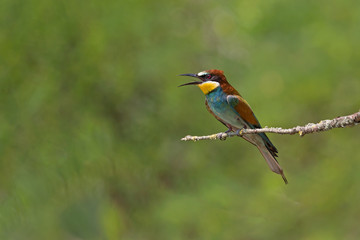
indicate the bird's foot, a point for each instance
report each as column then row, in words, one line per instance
column 222, row 136
column 239, row 132
column 229, row 130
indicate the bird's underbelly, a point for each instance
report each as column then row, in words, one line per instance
column 221, row 108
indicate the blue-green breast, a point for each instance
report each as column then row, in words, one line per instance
column 220, row 107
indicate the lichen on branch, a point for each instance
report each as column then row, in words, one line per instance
column 324, row 125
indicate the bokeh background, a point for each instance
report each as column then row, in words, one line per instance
column 91, row 119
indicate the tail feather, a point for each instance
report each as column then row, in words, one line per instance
column 268, row 150
column 271, row 161
column 269, row 144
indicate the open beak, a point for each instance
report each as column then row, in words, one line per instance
column 190, row 83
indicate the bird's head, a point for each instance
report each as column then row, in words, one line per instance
column 208, row 80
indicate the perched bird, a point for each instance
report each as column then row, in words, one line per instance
column 232, row 110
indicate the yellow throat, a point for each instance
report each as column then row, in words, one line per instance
column 208, row 86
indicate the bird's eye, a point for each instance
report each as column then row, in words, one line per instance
column 208, row 76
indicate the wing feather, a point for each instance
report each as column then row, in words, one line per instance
column 243, row 108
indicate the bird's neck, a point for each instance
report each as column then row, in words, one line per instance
column 228, row 89
column 208, row 86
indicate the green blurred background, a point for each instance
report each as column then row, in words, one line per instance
column 91, row 119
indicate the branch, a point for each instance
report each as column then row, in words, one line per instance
column 324, row 125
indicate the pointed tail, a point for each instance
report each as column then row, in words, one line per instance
column 271, row 161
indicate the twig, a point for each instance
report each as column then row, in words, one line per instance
column 324, row 125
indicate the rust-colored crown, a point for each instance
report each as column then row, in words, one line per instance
column 225, row 85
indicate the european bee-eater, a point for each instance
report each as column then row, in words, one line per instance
column 232, row 110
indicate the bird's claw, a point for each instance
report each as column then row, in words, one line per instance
column 239, row 132
column 222, row 136
column 229, row 130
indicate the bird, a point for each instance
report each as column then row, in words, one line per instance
column 226, row 104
